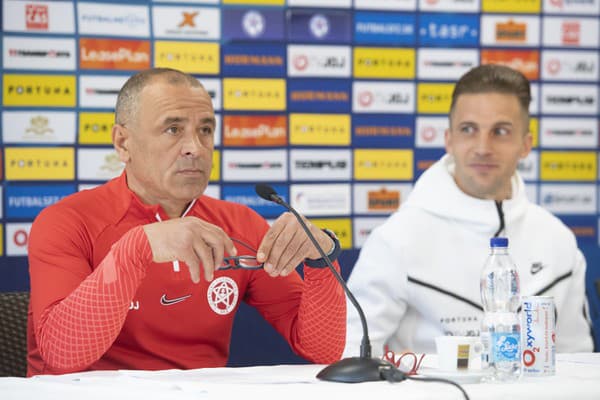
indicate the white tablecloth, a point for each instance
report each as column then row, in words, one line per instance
column 577, row 377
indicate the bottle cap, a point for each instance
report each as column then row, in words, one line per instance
column 499, row 242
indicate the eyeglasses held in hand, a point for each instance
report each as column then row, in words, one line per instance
column 241, row 262
column 407, row 362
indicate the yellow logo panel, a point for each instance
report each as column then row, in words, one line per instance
column 39, row 90
column 341, row 227
column 254, row 94
column 192, row 57
column 320, row 129
column 434, row 97
column 534, row 129
column 39, row 163
column 384, row 62
column 568, row 166
column 370, row 164
column 255, row 2
column 511, row 6
column 215, row 172
column 96, row 128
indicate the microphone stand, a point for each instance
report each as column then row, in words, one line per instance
column 348, row 370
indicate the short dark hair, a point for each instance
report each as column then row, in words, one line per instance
column 127, row 100
column 492, row 78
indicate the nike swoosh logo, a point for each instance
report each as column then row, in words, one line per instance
column 169, row 302
column 536, row 267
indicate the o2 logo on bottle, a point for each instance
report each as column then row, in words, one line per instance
column 506, row 346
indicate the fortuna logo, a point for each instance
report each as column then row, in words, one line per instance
column 222, row 295
column 169, row 302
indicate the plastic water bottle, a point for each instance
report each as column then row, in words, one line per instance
column 501, row 327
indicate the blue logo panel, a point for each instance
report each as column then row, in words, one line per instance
column 26, row 201
column 447, row 30
column 256, row 24
column 584, row 227
column 254, row 60
column 385, row 28
column 424, row 158
column 319, row 26
column 383, row 130
column 306, row 95
column 245, row 194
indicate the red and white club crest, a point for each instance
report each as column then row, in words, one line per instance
column 222, row 295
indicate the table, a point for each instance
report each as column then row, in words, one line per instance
column 577, row 377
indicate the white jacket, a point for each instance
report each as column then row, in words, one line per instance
column 417, row 275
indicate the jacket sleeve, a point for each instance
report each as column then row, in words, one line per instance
column 573, row 326
column 378, row 281
column 309, row 313
column 78, row 311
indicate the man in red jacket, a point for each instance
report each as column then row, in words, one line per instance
column 136, row 273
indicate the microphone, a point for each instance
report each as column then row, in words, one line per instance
column 352, row 369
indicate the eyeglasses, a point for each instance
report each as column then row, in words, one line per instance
column 409, row 365
column 241, row 262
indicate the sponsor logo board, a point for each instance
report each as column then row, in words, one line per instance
column 17, row 238
column 563, row 65
column 380, row 198
column 246, row 195
column 384, row 63
column 113, row 19
column 510, row 30
column 383, row 164
column 57, row 127
column 39, row 90
column 430, row 131
column 200, row 23
column 320, row 165
column 37, row 53
column 305, row 95
column 39, row 163
column 576, row 99
column 114, row 54
column 525, row 61
column 450, row 64
column 384, row 28
column 569, row 133
column 38, row 16
column 374, row 131
column 318, row 61
column 256, row 60
column 571, row 32
column 246, row 165
column 191, row 57
column 96, row 127
column 319, row 26
column 254, row 94
column 384, row 97
column 363, row 228
column 568, row 165
column 98, row 164
column 26, row 201
column 100, row 90
column 321, row 200
column 569, row 199
column 320, row 129
column 254, row 130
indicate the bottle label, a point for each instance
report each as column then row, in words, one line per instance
column 505, row 346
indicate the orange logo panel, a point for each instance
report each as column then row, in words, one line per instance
column 525, row 61
column 114, row 54
column 511, row 32
column 255, row 130
column 383, row 200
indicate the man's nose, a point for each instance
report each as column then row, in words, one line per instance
column 483, row 143
column 191, row 144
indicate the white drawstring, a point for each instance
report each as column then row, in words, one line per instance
column 157, row 216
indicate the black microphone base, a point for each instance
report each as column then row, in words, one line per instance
column 355, row 370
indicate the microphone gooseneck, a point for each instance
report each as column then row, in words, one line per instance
column 353, row 369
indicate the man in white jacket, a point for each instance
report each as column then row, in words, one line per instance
column 417, row 276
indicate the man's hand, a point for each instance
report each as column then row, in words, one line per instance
column 286, row 245
column 192, row 241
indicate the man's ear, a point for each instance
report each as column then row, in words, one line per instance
column 120, row 139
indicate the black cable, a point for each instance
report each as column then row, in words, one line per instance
column 501, row 216
column 393, row 374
